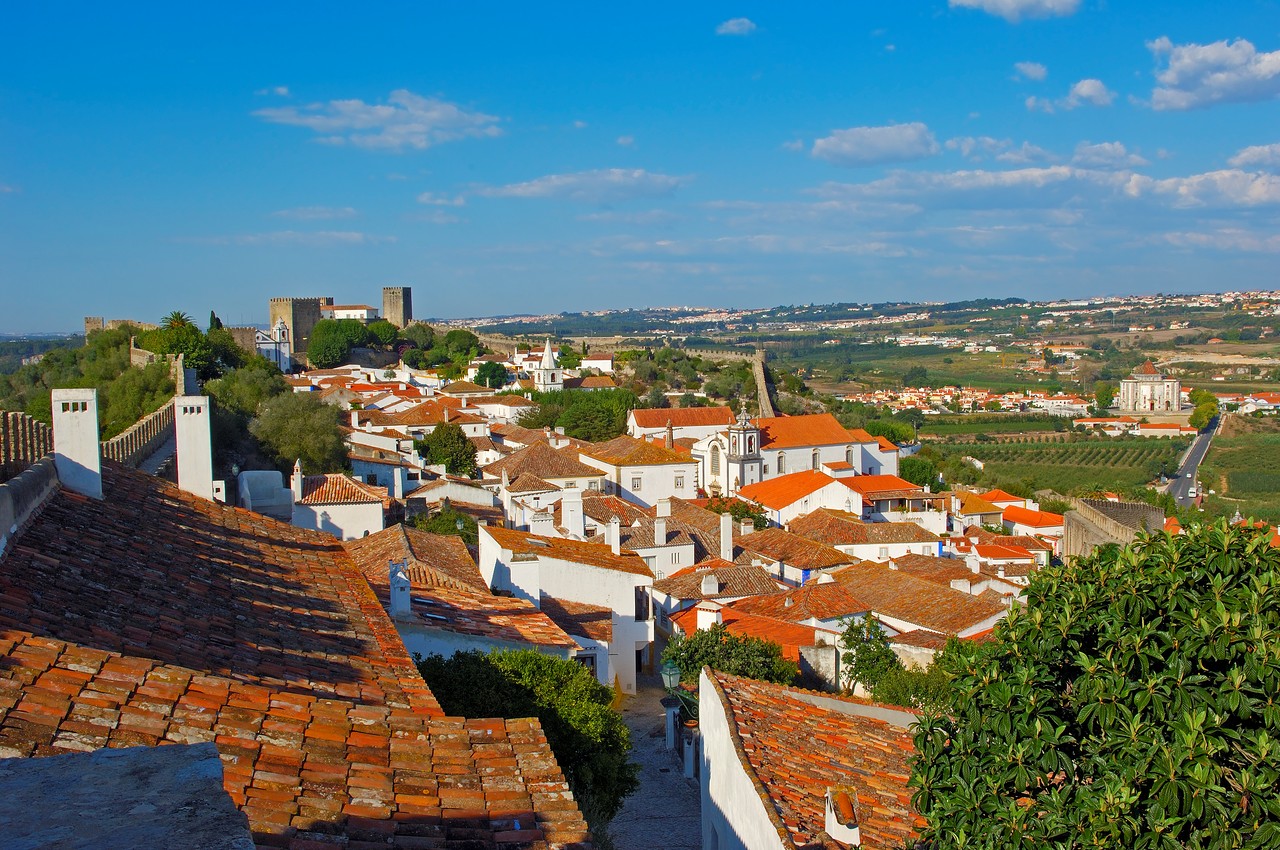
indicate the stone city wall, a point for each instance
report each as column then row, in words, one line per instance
column 23, row 441
column 142, row 439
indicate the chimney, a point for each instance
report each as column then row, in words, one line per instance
column 194, row 439
column 571, row 514
column 77, row 456
column 842, row 817
column 613, row 535
column 671, row 436
column 708, row 616
column 355, row 419
column 296, row 481
column 399, row 481
column 446, row 414
column 660, row 531
column 973, row 562
column 746, row 527
column 664, row 508
column 542, row 523
column 726, row 536
column 401, row 587
column 710, row 584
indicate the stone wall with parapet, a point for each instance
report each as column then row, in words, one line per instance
column 98, row 323
column 23, row 441
column 22, row 497
column 142, row 439
column 1085, row 528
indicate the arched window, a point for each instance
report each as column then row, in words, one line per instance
column 782, row 463
column 816, row 462
column 848, row 455
column 715, row 459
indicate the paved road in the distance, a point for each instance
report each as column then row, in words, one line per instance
column 1180, row 487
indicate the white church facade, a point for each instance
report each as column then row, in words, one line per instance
column 1148, row 390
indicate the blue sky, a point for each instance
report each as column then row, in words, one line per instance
column 510, row 158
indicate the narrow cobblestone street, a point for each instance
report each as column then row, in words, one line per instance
column 666, row 813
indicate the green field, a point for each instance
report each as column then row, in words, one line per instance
column 947, row 426
column 1243, row 466
column 1076, row 466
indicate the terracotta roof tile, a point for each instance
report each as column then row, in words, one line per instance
column 818, row 429
column 895, row 594
column 796, row 745
column 816, row 600
column 682, row 417
column 882, row 486
column 1036, row 519
column 777, row 544
column 544, row 462
column 433, row 560
column 732, row 580
column 576, row 551
column 941, row 571
column 629, row 451
column 778, row 493
column 790, row 636
column 840, row 528
column 579, row 618
column 337, row 489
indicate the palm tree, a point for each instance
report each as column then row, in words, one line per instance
column 176, row 319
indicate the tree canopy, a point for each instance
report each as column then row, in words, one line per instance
column 866, row 656
column 741, row 656
column 1131, row 703
column 491, row 375
column 298, row 426
column 448, row 444
column 590, row 740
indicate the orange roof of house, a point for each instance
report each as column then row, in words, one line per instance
column 463, row 387
column 816, row 600
column 994, row 496
column 841, row 528
column 815, row 429
column 777, row 544
column 543, row 461
column 682, row 417
column 732, row 580
column 579, row 618
column 886, row 444
column 337, row 489
column 1147, row 368
column 1036, row 519
column 778, row 493
column 895, row 594
column 630, row 451
column 881, row 486
column 789, row 636
column 574, row 551
column 432, row 560
column 797, row 747
column 972, row 503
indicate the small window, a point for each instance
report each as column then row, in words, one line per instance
column 679, row 482
column 816, row 459
column 587, row 660
column 715, row 460
column 571, row 485
column 635, row 484
column 766, row 469
column 782, row 463
column 593, row 485
column 675, row 557
column 884, row 552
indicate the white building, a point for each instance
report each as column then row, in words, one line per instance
column 362, row 312
column 1148, row 390
column 868, row 541
column 642, row 472
column 547, row 375
column 685, row 422
column 336, row 503
column 577, row 581
column 274, row 345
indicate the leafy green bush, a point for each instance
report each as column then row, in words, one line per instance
column 590, row 740
column 866, row 656
column 448, row 444
column 1130, row 703
column 741, row 656
column 298, row 426
column 922, row 690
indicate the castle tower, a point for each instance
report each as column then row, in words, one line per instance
column 397, row 305
column 300, row 316
column 547, row 377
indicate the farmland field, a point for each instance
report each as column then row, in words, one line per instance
column 1243, row 466
column 1083, row 464
column 989, row 424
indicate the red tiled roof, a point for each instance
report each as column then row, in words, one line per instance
column 841, row 528
column 602, row 508
column 504, row 618
column 1147, row 368
column 544, row 462
column 154, row 616
column 579, row 618
column 778, row 493
column 630, row 451
column 893, row 593
column 574, row 551
column 434, row 560
column 1036, row 519
column 994, row 496
column 778, row 544
column 796, row 747
column 790, row 636
column 972, row 504
column 941, row 571
column 816, row 600
column 336, row 489
column 882, row 486
column 682, row 417
column 732, row 580
column 590, row 382
column 816, row 429
column 463, row 388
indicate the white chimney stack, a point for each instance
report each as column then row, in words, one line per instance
column 708, row 615
column 76, row 453
column 726, row 536
column 295, row 483
column 664, row 508
column 191, row 422
column 710, row 584
column 401, row 589
column 660, row 531
column 614, row 535
column 571, row 514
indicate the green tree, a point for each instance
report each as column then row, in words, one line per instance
column 420, row 335
column 445, row 521
column 460, row 343
column 491, row 375
column 590, row 740
column 245, row 390
column 185, row 339
column 916, row 376
column 384, row 332
column 215, row 323
column 175, row 320
column 865, row 658
column 740, row 511
column 1204, row 412
column 448, row 444
column 922, row 690
column 918, row 470
column 1130, row 703
column 741, row 656
column 298, row 426
column 329, row 346
column 1104, row 394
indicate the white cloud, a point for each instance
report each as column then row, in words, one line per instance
column 793, row 145
column 6, row 189
column 1015, row 10
column 1088, row 91
column 314, row 238
column 1196, row 75
column 736, row 26
column 858, row 146
column 1030, row 70
column 977, row 148
column 1026, row 154
column 435, row 217
column 643, row 217
column 1225, row 188
column 605, row 185
column 1265, row 157
column 1105, row 155
column 316, row 213
column 440, row 200
column 579, row 125
column 1227, row 239
column 626, row 141
column 406, row 120
column 278, row 91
